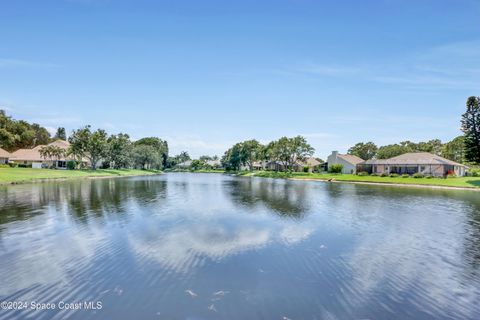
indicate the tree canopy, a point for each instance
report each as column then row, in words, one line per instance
column 90, row 144
column 287, row 151
column 17, row 134
column 365, row 151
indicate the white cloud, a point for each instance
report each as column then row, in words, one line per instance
column 450, row 66
column 196, row 145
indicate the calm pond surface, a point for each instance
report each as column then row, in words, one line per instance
column 210, row 246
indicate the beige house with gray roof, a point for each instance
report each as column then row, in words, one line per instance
column 414, row 162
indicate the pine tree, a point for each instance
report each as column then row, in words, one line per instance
column 471, row 128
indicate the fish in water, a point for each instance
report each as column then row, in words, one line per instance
column 220, row 293
column 191, row 293
column 212, row 308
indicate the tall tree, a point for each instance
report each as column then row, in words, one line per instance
column 471, row 129
column 160, row 146
column 455, row 150
column 92, row 145
column 232, row 159
column 120, row 151
column 290, row 150
column 250, row 151
column 60, row 134
column 146, row 157
column 365, row 151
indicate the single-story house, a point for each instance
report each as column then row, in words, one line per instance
column 309, row 162
column 214, row 163
column 34, row 158
column 4, row 156
column 348, row 161
column 414, row 162
column 184, row 165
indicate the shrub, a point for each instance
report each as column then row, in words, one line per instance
column 362, row 173
column 417, row 175
column 384, row 174
column 4, row 166
column 71, row 165
column 429, row 177
column 374, row 174
column 13, row 164
column 405, row 175
column 306, row 169
column 393, row 175
column 474, row 172
column 21, row 165
column 335, row 168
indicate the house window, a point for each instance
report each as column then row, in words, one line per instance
column 422, row 168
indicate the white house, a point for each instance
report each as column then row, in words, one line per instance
column 348, row 161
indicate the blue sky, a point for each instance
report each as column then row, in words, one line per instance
column 206, row 74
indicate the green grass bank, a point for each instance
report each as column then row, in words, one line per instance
column 457, row 182
column 25, row 175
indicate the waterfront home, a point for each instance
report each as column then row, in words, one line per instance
column 184, row 165
column 4, row 156
column 348, row 161
column 414, row 162
column 32, row 157
column 215, row 164
column 310, row 162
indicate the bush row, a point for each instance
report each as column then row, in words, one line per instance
column 395, row 175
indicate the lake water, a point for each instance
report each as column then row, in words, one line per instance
column 210, row 246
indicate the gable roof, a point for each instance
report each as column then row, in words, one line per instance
column 27, row 154
column 350, row 158
column 414, row 158
column 60, row 143
column 311, row 162
column 34, row 154
column 4, row 154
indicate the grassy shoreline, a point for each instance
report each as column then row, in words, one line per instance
column 472, row 183
column 28, row 175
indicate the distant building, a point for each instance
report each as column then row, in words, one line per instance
column 185, row 165
column 4, row 156
column 216, row 164
column 310, row 162
column 348, row 161
column 415, row 162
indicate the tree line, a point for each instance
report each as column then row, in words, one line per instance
column 117, row 151
column 286, row 151
column 462, row 149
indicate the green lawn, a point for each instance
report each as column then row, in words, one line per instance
column 464, row 182
column 22, row 175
